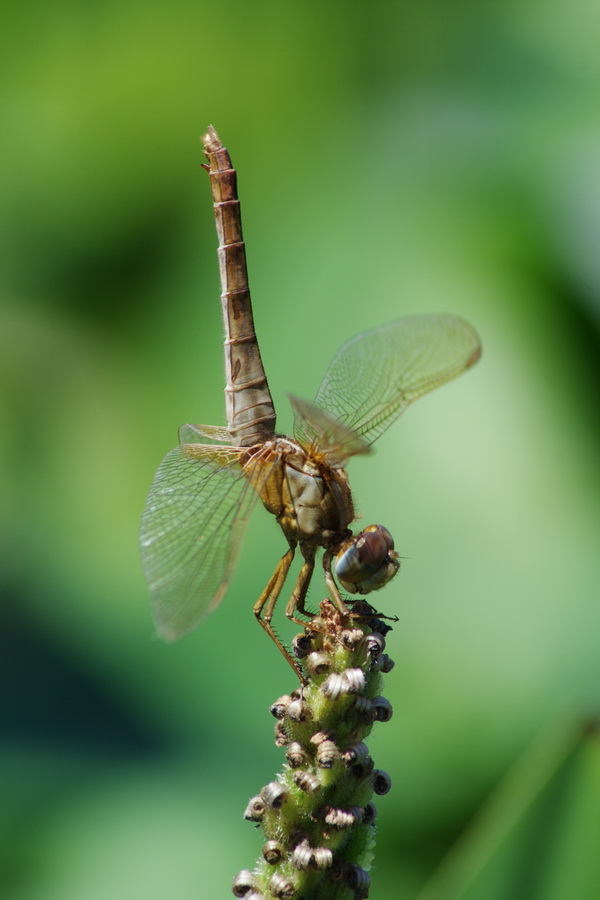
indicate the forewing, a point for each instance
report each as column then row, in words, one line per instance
column 376, row 375
column 192, row 530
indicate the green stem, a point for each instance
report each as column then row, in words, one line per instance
column 318, row 817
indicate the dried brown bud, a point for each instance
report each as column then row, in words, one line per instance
column 282, row 738
column 382, row 782
column 327, row 753
column 370, row 814
column 382, row 708
column 319, row 662
column 296, row 755
column 355, row 680
column 298, row 711
column 302, row 855
column 355, row 753
column 301, row 645
column 279, row 708
column 358, row 881
column 273, row 794
column 281, row 887
column 375, row 644
column 243, row 883
column 306, row 781
column 322, row 857
column 255, row 809
column 351, row 638
column 273, row 852
column 343, row 818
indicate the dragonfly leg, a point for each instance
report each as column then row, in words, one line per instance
column 264, row 606
column 331, row 585
column 296, row 601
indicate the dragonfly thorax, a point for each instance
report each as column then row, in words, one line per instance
column 311, row 500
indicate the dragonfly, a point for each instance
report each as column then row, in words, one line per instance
column 205, row 489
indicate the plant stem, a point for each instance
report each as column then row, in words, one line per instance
column 318, row 817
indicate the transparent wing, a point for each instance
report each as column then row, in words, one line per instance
column 376, row 375
column 192, row 531
column 323, row 435
column 189, row 434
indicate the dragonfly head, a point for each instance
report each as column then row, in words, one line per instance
column 366, row 561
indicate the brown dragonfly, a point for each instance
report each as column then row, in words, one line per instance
column 205, row 489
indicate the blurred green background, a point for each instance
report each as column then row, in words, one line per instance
column 393, row 159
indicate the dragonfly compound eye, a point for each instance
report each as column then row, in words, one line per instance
column 367, row 561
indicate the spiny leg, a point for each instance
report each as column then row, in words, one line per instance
column 331, row 585
column 264, row 606
column 296, row 601
column 269, row 596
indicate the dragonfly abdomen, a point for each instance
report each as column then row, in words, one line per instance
column 248, row 405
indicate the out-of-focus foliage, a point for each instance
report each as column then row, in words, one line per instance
column 393, row 159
